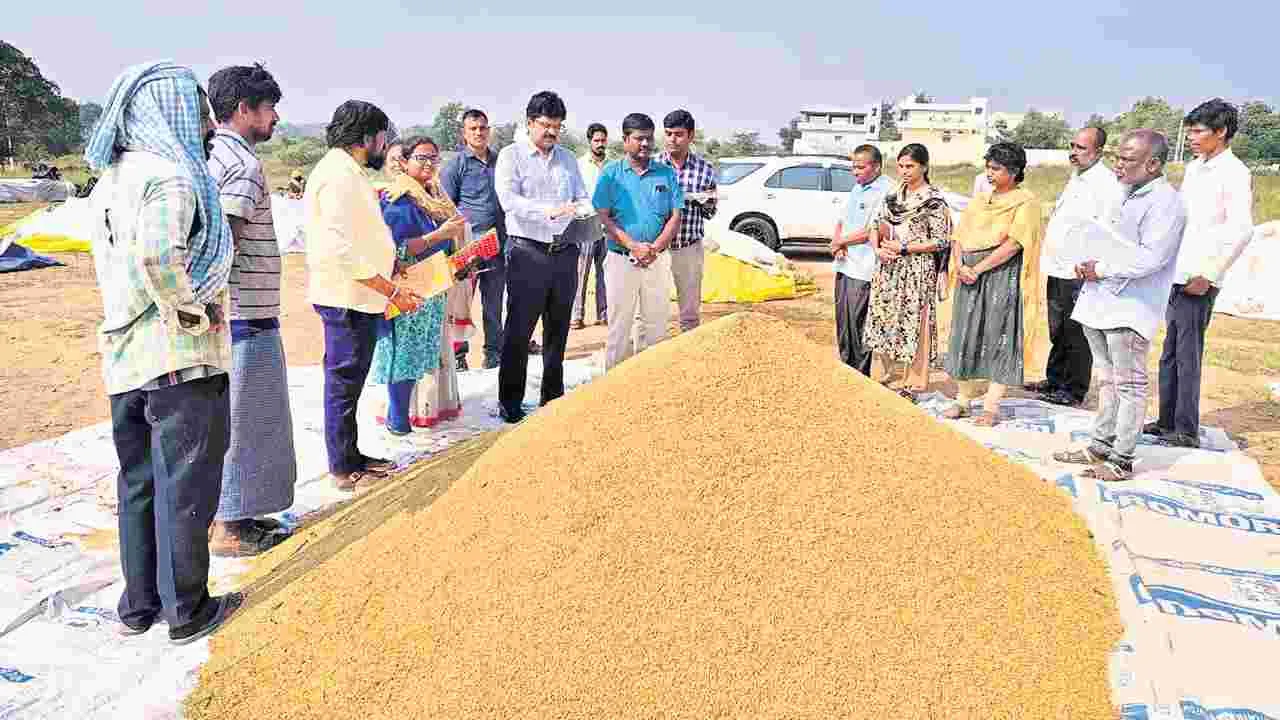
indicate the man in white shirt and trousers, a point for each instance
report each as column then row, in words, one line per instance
column 1218, row 194
column 1092, row 195
column 1126, row 286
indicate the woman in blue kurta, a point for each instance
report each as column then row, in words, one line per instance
column 423, row 221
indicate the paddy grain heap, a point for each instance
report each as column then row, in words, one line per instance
column 730, row 525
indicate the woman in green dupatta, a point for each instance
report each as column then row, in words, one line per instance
column 995, row 314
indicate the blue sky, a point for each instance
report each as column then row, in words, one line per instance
column 731, row 67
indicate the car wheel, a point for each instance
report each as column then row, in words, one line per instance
column 761, row 230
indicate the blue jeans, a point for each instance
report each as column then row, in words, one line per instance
column 171, row 444
column 398, row 396
column 349, row 339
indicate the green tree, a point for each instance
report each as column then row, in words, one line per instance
column 503, row 135
column 447, row 128
column 1258, row 138
column 1096, row 121
column 33, row 112
column 888, row 123
column 745, row 143
column 89, row 114
column 789, row 135
column 63, row 133
column 1150, row 112
column 1000, row 131
column 1039, row 130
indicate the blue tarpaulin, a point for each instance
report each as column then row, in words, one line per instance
column 16, row 257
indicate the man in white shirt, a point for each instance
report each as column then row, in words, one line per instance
column 539, row 187
column 350, row 262
column 1092, row 194
column 593, row 249
column 1122, row 299
column 1218, row 193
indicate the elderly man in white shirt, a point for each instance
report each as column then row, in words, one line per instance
column 1092, row 194
column 1218, row 194
column 539, row 186
column 1125, row 290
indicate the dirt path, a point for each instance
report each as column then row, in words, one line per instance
column 51, row 368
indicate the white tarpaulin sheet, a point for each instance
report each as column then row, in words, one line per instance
column 1193, row 545
column 1251, row 288
column 60, row 656
column 14, row 190
column 286, row 214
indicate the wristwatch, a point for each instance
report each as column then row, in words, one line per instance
column 903, row 251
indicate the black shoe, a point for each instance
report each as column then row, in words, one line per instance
column 130, row 630
column 1153, row 428
column 462, row 364
column 1180, row 440
column 1060, row 397
column 215, row 612
column 511, row 417
column 534, row 348
column 491, row 363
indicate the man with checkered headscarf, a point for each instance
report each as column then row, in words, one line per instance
column 163, row 253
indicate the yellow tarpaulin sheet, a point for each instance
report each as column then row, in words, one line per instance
column 45, row 242
column 729, row 280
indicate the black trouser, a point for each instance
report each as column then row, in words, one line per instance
column 853, row 298
column 170, row 443
column 1070, row 363
column 542, row 279
column 1181, row 360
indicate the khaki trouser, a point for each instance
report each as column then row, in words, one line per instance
column 686, row 273
column 634, row 290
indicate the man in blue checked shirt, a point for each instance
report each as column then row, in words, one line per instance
column 698, row 181
column 855, row 261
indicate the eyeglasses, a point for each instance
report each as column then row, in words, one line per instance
column 554, row 126
column 425, row 159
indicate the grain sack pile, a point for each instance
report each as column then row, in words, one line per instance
column 731, row 524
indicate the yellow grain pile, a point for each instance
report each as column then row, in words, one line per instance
column 730, row 525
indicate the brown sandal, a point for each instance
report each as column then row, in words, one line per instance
column 955, row 411
column 987, row 419
column 358, row 480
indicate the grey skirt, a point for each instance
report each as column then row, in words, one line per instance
column 986, row 324
column 260, row 467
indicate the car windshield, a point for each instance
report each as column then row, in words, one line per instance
column 731, row 173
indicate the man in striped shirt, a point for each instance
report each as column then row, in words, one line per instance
column 698, row 182
column 260, row 468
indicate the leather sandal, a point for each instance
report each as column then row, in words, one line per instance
column 358, row 480
column 955, row 411
column 987, row 419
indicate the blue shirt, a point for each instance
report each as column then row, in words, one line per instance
column 469, row 182
column 860, row 263
column 639, row 204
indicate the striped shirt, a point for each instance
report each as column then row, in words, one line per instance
column 255, row 275
column 154, row 332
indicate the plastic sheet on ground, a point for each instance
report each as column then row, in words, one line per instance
column 16, row 258
column 739, row 269
column 1193, row 546
column 1249, row 289
column 16, row 190
column 60, row 656
column 68, row 227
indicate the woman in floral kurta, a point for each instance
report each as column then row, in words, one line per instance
column 911, row 232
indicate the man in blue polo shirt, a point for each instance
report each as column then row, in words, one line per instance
column 639, row 203
column 855, row 261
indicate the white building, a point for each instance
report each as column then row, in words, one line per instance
column 835, row 130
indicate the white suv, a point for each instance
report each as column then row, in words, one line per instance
column 796, row 198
